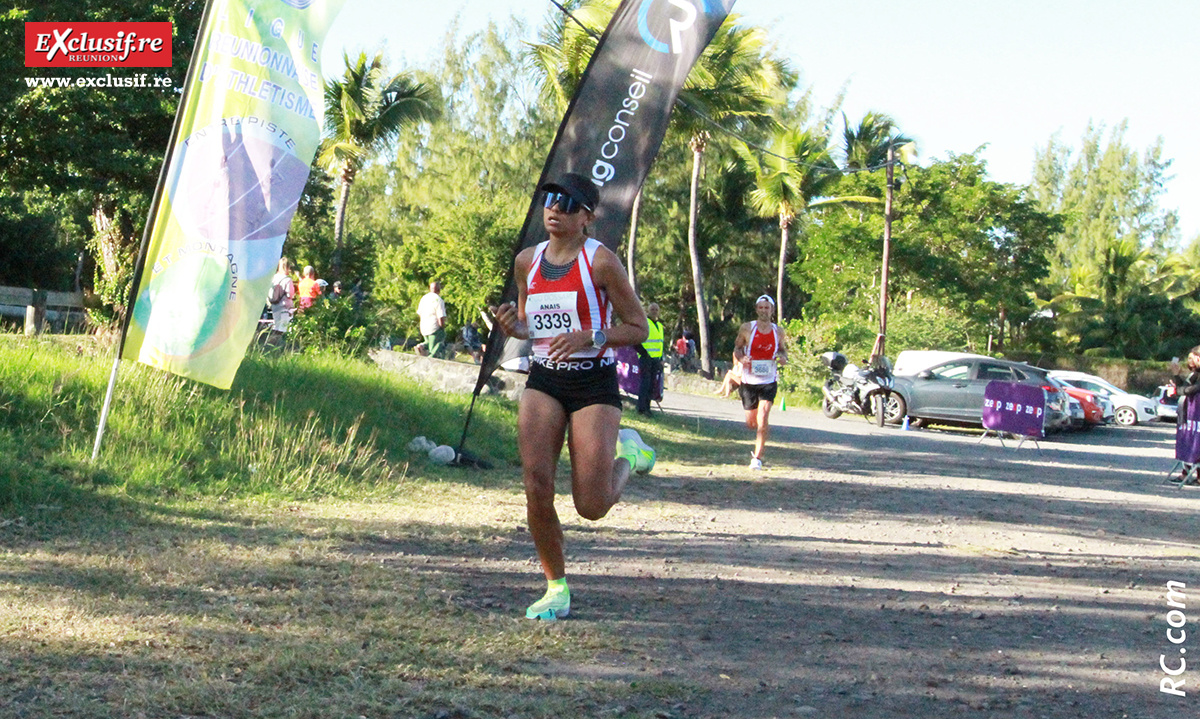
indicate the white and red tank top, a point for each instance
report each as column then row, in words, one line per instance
column 764, row 346
column 567, row 304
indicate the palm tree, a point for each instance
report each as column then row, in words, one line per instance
column 865, row 147
column 797, row 169
column 735, row 82
column 564, row 48
column 365, row 111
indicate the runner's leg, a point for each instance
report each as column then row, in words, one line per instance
column 541, row 425
column 762, row 424
column 597, row 479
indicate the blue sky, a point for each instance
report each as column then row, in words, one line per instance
column 955, row 74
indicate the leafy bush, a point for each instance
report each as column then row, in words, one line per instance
column 343, row 325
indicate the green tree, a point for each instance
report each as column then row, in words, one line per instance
column 865, row 145
column 965, row 243
column 1107, row 193
column 565, row 47
column 365, row 112
column 1124, row 305
column 459, row 189
column 1116, row 286
column 736, row 82
column 88, row 156
column 793, row 176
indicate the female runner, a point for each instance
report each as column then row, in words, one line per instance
column 567, row 290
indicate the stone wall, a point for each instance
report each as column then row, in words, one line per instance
column 448, row 376
column 691, row 383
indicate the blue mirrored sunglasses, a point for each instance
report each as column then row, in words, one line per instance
column 565, row 202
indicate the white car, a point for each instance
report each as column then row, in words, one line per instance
column 910, row 362
column 1128, row 409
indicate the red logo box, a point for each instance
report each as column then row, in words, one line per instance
column 97, row 44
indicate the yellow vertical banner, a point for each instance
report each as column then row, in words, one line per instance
column 249, row 125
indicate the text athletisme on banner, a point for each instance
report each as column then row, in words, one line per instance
column 249, row 128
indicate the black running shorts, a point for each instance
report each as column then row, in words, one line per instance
column 752, row 393
column 576, row 383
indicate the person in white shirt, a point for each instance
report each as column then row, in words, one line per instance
column 432, row 311
column 282, row 296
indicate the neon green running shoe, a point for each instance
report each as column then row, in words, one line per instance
column 555, row 604
column 639, row 454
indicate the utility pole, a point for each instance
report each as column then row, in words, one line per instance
column 880, row 340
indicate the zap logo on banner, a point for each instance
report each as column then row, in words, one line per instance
column 97, row 44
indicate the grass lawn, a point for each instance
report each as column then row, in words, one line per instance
column 275, row 550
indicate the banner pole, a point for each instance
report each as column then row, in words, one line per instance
column 140, row 266
column 112, row 382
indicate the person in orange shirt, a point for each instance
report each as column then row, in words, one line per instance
column 309, row 289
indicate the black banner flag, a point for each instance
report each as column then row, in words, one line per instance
column 615, row 124
column 618, row 117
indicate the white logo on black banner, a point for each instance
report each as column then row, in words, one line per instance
column 680, row 22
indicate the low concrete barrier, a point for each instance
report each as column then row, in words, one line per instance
column 447, row 375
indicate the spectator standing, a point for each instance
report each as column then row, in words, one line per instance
column 1186, row 387
column 650, row 360
column 281, row 296
column 309, row 289
column 681, row 350
column 471, row 341
column 432, row 311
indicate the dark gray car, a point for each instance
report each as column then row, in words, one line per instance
column 952, row 391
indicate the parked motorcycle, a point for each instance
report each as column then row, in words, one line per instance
column 864, row 391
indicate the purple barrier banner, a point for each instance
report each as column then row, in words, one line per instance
column 628, row 376
column 1187, row 431
column 1014, row 407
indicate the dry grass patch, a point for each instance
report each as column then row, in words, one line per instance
column 295, row 610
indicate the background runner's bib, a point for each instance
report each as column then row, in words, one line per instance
column 762, row 368
column 764, row 346
column 550, row 314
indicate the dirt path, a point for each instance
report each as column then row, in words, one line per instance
column 865, row 573
column 880, row 573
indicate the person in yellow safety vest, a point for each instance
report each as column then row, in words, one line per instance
column 650, row 362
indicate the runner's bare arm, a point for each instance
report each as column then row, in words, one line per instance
column 781, row 353
column 634, row 327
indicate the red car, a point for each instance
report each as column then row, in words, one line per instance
column 1093, row 414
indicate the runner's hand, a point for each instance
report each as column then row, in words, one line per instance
column 510, row 322
column 568, row 343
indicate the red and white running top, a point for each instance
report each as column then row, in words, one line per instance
column 764, row 346
column 568, row 304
